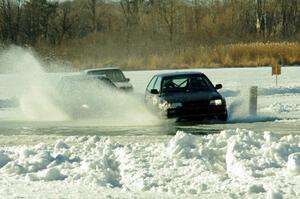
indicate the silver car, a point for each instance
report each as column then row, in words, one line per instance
column 114, row 74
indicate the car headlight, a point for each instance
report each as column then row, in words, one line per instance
column 216, row 102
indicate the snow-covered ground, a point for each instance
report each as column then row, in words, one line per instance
column 130, row 154
column 232, row 164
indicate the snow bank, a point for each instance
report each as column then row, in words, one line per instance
column 293, row 164
column 239, row 162
column 280, row 90
column 4, row 159
column 182, row 145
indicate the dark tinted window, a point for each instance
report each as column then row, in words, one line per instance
column 186, row 83
column 151, row 83
column 157, row 85
column 114, row 75
column 107, row 82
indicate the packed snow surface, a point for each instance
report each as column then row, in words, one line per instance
column 235, row 163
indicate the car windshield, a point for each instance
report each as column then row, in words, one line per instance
column 186, row 83
column 114, row 75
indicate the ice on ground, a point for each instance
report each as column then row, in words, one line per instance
column 262, row 91
column 292, row 90
column 238, row 162
column 281, row 108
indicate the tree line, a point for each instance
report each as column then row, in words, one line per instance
column 146, row 27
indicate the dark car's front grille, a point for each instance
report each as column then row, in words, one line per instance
column 195, row 110
column 196, row 104
column 198, row 108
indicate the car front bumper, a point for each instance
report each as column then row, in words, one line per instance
column 188, row 112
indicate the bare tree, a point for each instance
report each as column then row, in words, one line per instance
column 168, row 11
column 92, row 11
column 10, row 12
column 61, row 26
column 37, row 14
column 288, row 14
column 131, row 10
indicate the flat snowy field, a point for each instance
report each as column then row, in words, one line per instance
column 252, row 157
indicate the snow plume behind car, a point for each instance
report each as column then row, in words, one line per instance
column 31, row 85
column 90, row 97
column 40, row 99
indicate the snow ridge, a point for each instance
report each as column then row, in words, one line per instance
column 235, row 161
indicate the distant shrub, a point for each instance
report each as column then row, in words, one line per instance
column 230, row 55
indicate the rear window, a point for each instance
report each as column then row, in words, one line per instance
column 114, row 75
column 186, row 83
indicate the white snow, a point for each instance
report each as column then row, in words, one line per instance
column 239, row 162
column 293, row 164
column 282, row 108
column 4, row 158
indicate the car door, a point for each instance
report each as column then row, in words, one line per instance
column 156, row 97
column 150, row 86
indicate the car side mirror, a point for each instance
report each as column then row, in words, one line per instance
column 154, row 91
column 127, row 79
column 218, row 86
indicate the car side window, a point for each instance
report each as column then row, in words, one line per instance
column 208, row 83
column 157, row 85
column 151, row 83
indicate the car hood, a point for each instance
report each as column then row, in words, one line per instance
column 192, row 96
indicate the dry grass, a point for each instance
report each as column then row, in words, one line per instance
column 231, row 55
column 259, row 54
column 246, row 55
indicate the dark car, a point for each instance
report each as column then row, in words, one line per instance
column 114, row 74
column 185, row 95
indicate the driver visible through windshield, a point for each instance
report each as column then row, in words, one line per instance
column 186, row 84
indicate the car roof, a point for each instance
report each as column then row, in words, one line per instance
column 83, row 77
column 178, row 73
column 100, row 69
